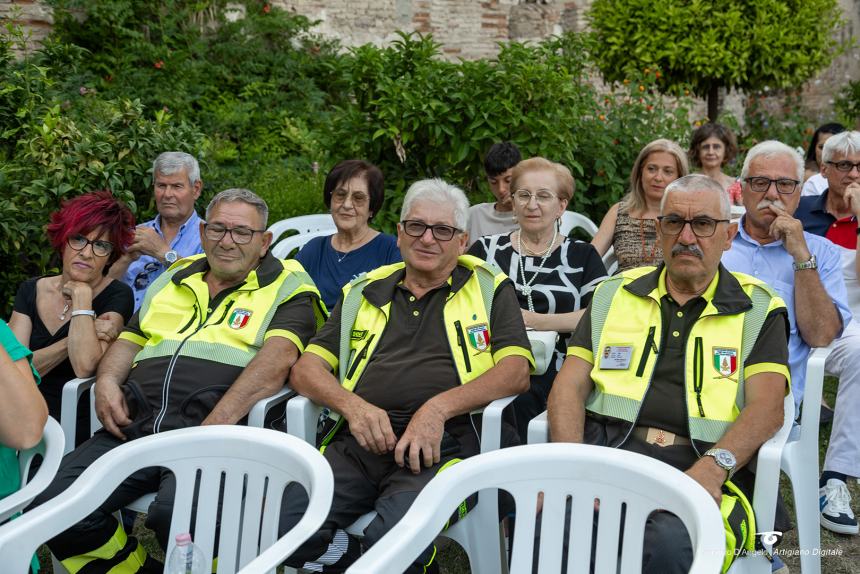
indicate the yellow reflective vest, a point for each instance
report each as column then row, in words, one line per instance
column 180, row 328
column 625, row 313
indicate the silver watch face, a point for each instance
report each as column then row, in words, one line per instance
column 724, row 458
column 171, row 256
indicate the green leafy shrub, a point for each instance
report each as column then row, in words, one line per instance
column 417, row 116
column 848, row 104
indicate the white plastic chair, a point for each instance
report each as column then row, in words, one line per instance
column 51, row 450
column 562, row 472
column 478, row 533
column 572, row 219
column 543, row 349
column 610, row 261
column 295, row 242
column 254, row 464
column 766, row 484
column 799, row 461
column 74, row 388
column 303, row 224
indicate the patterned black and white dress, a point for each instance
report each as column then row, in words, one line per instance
column 564, row 284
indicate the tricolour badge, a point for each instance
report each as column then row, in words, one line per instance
column 239, row 318
column 479, row 336
column 725, row 360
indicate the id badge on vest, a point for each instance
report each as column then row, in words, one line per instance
column 616, row 357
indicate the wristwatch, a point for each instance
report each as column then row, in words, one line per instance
column 724, row 459
column 171, row 257
column 811, row 264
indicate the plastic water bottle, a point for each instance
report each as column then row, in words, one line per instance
column 187, row 558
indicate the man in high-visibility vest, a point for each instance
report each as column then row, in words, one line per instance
column 215, row 334
column 685, row 362
column 415, row 347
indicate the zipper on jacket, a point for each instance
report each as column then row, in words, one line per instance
column 190, row 321
column 698, row 374
column 650, row 345
column 461, row 341
column 359, row 357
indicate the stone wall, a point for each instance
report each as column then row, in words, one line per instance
column 473, row 28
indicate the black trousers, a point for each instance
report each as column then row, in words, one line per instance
column 363, row 482
column 98, row 528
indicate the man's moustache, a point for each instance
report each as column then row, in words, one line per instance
column 768, row 202
column 692, row 249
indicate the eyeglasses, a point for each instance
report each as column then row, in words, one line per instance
column 240, row 235
column 100, row 248
column 524, row 197
column 761, row 184
column 415, row 228
column 701, row 226
column 358, row 197
column 711, row 146
column 845, row 166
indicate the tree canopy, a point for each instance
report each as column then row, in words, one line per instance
column 711, row 44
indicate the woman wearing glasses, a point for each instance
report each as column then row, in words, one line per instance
column 554, row 276
column 68, row 320
column 353, row 190
column 630, row 225
column 712, row 147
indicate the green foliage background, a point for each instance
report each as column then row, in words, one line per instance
column 709, row 44
column 266, row 104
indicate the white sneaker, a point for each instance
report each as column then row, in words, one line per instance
column 835, row 501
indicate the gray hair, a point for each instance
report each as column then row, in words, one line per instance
column 170, row 162
column 442, row 193
column 698, row 182
column 770, row 149
column 243, row 195
column 846, row 143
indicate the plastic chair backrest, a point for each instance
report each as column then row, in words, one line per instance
column 51, row 450
column 254, row 465
column 566, row 474
column 303, row 224
column 286, row 246
column 571, row 220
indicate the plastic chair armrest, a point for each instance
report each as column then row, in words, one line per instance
column 72, row 392
column 768, row 468
column 302, row 417
column 257, row 416
column 491, row 425
column 539, row 429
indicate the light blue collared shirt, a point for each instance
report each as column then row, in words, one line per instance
column 143, row 272
column 772, row 264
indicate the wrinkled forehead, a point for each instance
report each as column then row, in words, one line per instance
column 694, row 203
column 431, row 213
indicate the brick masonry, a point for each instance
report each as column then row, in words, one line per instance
column 473, row 28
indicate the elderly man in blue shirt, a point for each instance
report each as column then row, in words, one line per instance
column 175, row 231
column 772, row 246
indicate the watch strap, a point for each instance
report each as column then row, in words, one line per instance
column 811, row 263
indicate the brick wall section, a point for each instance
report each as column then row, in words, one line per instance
column 473, row 28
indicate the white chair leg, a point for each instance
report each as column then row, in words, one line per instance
column 804, row 484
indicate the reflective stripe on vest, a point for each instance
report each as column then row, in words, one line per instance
column 619, row 393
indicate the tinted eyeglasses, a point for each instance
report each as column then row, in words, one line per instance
column 761, row 184
column 845, row 166
column 240, row 235
column 100, row 248
column 701, row 226
column 415, row 228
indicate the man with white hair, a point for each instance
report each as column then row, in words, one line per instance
column 685, row 363
column 175, row 231
column 833, row 215
column 426, row 342
column 771, row 245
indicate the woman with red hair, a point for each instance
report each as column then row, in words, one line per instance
column 68, row 320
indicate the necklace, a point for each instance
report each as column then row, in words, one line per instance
column 527, row 285
column 358, row 244
column 65, row 310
